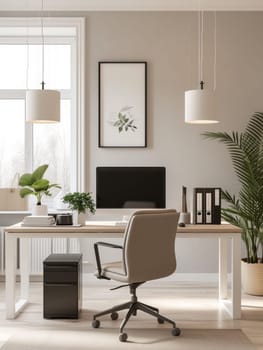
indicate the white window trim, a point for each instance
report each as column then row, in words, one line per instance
column 79, row 153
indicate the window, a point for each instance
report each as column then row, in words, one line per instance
column 12, row 140
column 23, row 147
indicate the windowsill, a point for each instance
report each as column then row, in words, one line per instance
column 27, row 212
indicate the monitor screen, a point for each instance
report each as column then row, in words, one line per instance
column 130, row 187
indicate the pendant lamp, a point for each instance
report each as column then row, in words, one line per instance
column 42, row 106
column 200, row 104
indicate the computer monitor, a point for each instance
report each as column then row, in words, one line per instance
column 130, row 187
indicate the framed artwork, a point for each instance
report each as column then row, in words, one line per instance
column 122, row 104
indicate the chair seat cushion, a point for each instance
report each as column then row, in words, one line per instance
column 115, row 271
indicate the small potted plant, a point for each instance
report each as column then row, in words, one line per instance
column 34, row 184
column 81, row 203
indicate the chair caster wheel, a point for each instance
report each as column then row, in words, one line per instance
column 176, row 332
column 123, row 337
column 95, row 323
column 160, row 320
column 114, row 316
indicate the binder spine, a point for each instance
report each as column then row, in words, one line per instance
column 198, row 217
column 217, row 206
column 208, row 207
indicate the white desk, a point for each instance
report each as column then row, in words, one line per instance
column 224, row 233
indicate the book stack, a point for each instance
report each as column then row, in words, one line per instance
column 38, row 221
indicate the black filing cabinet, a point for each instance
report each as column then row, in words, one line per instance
column 62, row 285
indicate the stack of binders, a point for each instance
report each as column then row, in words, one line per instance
column 207, row 205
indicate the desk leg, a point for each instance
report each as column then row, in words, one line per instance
column 236, row 277
column 10, row 274
column 25, row 259
column 223, row 268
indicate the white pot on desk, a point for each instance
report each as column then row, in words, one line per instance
column 39, row 210
column 79, row 218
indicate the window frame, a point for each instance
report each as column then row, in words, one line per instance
column 76, row 93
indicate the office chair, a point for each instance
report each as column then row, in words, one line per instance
column 148, row 253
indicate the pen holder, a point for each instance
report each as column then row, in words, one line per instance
column 185, row 218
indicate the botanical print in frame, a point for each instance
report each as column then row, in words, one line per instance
column 122, row 104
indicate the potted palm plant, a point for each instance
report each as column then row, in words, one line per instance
column 246, row 210
column 81, row 203
column 34, row 184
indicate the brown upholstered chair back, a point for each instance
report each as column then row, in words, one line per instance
column 149, row 245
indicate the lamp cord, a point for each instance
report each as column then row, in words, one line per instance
column 201, row 48
column 215, row 45
column 27, row 54
column 201, row 45
column 42, row 40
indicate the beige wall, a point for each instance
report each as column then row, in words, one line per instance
column 168, row 42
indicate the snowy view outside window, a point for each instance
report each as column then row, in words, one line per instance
column 12, row 140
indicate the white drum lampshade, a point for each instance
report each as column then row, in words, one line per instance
column 200, row 107
column 42, row 106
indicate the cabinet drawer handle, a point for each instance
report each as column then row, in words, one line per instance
column 62, row 267
column 59, row 284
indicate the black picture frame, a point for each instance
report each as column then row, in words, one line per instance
column 122, row 104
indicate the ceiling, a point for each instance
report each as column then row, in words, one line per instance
column 132, row 5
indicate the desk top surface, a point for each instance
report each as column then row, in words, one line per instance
column 90, row 228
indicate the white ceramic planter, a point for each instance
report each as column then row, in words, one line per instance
column 82, row 218
column 252, row 278
column 39, row 210
column 79, row 218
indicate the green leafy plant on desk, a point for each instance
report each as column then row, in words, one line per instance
column 246, row 210
column 34, row 184
column 80, row 201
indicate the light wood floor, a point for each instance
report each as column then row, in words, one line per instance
column 192, row 305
